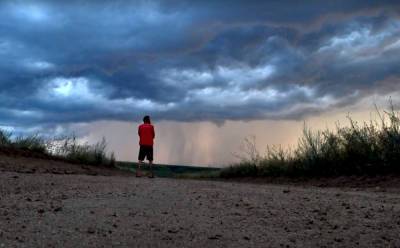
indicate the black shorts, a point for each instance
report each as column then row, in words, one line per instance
column 145, row 151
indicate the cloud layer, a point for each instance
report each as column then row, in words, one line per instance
column 64, row 62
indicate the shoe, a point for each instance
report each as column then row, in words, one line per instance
column 151, row 175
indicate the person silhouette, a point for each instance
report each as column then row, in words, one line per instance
column 146, row 140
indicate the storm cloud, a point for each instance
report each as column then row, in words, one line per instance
column 65, row 62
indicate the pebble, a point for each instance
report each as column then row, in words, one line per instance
column 338, row 239
column 57, row 209
column 217, row 236
column 173, row 230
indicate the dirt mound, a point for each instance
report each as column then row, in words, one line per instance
column 11, row 151
column 29, row 162
column 26, row 161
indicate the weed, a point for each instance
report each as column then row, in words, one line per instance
column 360, row 149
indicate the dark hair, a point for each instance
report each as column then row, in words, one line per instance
column 146, row 119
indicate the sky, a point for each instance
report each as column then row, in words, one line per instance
column 209, row 73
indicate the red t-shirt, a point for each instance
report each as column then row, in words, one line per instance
column 146, row 134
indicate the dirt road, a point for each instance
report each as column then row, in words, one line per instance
column 49, row 210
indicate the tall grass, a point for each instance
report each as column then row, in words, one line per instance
column 31, row 143
column 73, row 151
column 67, row 148
column 5, row 138
column 369, row 148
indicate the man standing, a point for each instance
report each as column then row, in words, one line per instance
column 146, row 135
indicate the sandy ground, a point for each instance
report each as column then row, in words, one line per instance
column 59, row 210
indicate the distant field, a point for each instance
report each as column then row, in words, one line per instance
column 163, row 170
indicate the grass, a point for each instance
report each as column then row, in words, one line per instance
column 71, row 150
column 31, row 143
column 370, row 148
column 67, row 148
column 5, row 138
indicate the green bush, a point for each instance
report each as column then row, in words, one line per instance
column 368, row 149
column 5, row 138
column 243, row 169
column 95, row 154
column 32, row 143
column 69, row 150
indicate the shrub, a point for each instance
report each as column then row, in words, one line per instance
column 74, row 152
column 5, row 138
column 68, row 149
column 243, row 169
column 371, row 148
column 32, row 143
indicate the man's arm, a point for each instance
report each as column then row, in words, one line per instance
column 154, row 133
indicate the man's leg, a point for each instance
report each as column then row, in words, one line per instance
column 151, row 168
column 138, row 172
column 150, row 158
column 141, row 157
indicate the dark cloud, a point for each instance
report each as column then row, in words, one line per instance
column 80, row 61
